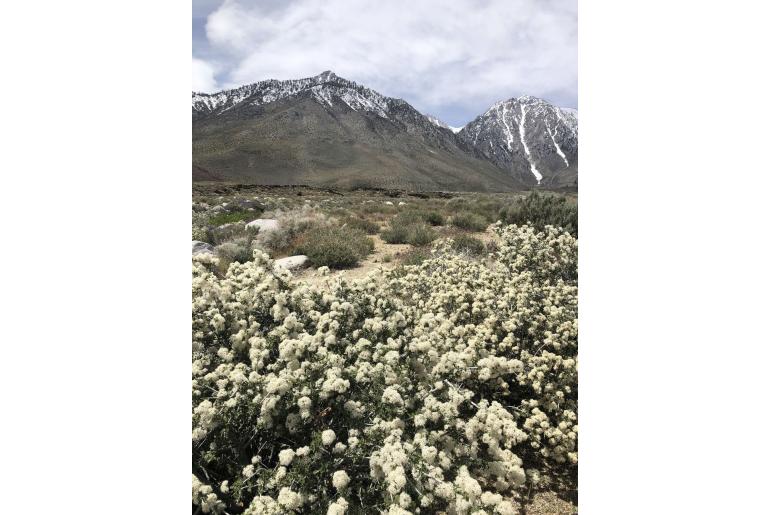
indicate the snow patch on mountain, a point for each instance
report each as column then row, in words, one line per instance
column 522, row 131
column 438, row 123
column 506, row 127
column 555, row 144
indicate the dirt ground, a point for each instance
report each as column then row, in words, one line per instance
column 373, row 261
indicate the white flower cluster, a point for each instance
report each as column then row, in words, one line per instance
column 423, row 389
column 340, row 479
column 204, row 496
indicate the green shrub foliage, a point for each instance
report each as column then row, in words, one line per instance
column 417, row 234
column 539, row 210
column 336, row 247
column 468, row 245
column 435, row 218
column 362, row 224
column 469, row 221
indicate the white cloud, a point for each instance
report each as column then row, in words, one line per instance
column 465, row 54
column 203, row 79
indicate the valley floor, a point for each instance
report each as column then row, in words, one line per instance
column 221, row 212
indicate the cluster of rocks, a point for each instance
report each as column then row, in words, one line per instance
column 262, row 225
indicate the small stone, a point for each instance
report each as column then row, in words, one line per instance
column 201, row 247
column 291, row 262
column 263, row 224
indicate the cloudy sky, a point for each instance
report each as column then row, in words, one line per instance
column 452, row 58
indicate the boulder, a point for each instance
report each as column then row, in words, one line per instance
column 291, row 262
column 249, row 205
column 263, row 224
column 201, row 247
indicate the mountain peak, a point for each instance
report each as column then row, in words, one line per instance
column 527, row 135
column 529, row 99
column 327, row 76
column 326, row 88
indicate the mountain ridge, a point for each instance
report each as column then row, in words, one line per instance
column 307, row 129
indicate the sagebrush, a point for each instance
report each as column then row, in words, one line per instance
column 336, row 247
column 540, row 210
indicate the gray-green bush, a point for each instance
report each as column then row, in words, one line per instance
column 465, row 244
column 469, row 221
column 539, row 210
column 336, row 247
column 417, row 234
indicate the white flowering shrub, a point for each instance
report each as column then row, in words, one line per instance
column 448, row 386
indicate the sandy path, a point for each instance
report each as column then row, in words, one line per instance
column 372, row 262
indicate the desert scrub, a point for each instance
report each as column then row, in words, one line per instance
column 221, row 234
column 540, row 210
column 377, row 207
column 336, row 247
column 469, row 221
column 434, row 218
column 415, row 257
column 233, row 217
column 417, row 234
column 293, row 225
column 395, row 234
column 469, row 245
column 361, row 224
column 420, row 235
column 448, row 386
column 487, row 208
column 409, row 227
column 237, row 250
column 414, row 216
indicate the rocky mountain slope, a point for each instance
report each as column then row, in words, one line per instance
column 535, row 141
column 328, row 131
column 439, row 123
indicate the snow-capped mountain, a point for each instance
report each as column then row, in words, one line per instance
column 325, row 88
column 326, row 130
column 532, row 139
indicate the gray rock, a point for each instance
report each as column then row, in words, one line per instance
column 201, row 247
column 249, row 205
column 291, row 262
column 263, row 224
